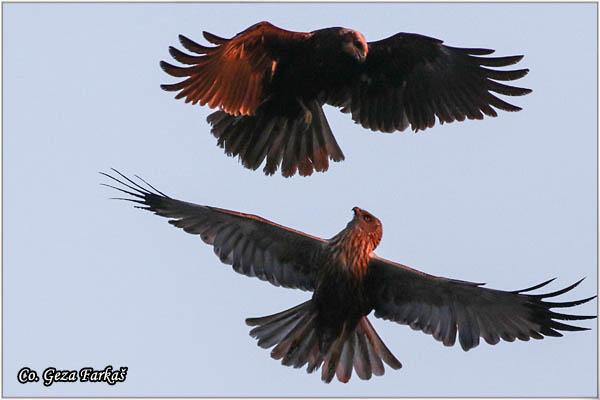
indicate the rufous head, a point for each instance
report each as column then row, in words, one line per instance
column 368, row 224
column 355, row 44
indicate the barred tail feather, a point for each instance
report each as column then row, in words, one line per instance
column 296, row 339
column 303, row 144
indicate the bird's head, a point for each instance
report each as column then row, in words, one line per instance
column 354, row 44
column 353, row 246
column 368, row 224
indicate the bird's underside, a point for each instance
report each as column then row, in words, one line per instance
column 331, row 331
column 269, row 86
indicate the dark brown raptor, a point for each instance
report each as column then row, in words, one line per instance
column 270, row 84
column 348, row 281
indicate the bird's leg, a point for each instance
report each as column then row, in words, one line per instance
column 307, row 113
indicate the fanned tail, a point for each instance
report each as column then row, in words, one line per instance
column 302, row 144
column 296, row 338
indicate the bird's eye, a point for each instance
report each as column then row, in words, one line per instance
column 358, row 44
column 367, row 218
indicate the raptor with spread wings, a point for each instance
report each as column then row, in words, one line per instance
column 270, row 84
column 348, row 281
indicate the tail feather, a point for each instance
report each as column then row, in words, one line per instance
column 273, row 335
column 298, row 342
column 332, row 359
column 304, row 165
column 291, row 149
column 295, row 354
column 380, row 349
column 273, row 329
column 275, row 151
column 319, row 152
column 258, row 152
column 373, row 360
column 315, row 358
column 290, row 341
column 344, row 368
column 302, row 144
column 361, row 362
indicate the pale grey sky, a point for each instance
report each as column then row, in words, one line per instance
column 87, row 281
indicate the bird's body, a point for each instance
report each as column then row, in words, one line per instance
column 270, row 85
column 340, row 298
column 348, row 281
column 316, row 63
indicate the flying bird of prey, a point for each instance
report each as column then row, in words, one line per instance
column 348, row 281
column 270, row 84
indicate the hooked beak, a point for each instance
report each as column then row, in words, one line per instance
column 356, row 210
column 360, row 57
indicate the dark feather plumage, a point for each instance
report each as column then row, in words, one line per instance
column 400, row 295
column 331, row 331
column 266, row 76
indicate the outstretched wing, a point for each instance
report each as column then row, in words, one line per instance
column 253, row 245
column 232, row 75
column 409, row 79
column 440, row 306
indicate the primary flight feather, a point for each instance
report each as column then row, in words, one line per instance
column 270, row 84
column 331, row 331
